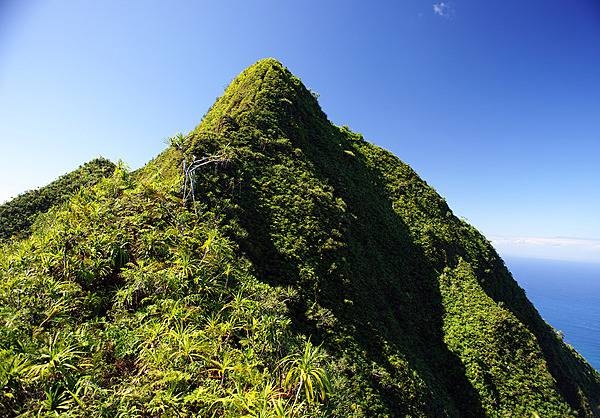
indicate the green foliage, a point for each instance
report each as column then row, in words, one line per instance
column 17, row 215
column 490, row 341
column 304, row 374
column 127, row 301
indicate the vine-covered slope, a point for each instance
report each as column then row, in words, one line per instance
column 309, row 274
column 17, row 215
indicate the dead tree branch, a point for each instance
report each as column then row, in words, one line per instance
column 189, row 173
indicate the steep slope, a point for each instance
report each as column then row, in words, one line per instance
column 17, row 215
column 310, row 274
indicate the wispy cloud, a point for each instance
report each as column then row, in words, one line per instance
column 559, row 248
column 443, row 9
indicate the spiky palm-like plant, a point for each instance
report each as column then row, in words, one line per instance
column 304, row 372
column 13, row 370
column 56, row 359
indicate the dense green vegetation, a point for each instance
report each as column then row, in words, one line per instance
column 17, row 215
column 312, row 274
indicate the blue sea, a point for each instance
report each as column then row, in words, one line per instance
column 567, row 295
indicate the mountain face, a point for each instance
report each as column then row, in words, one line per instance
column 294, row 270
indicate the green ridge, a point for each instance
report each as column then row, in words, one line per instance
column 18, row 214
column 313, row 274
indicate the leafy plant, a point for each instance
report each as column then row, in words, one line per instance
column 304, row 374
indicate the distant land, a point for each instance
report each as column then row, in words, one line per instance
column 584, row 250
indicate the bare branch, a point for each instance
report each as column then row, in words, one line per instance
column 189, row 173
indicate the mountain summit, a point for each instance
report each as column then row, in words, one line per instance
column 270, row 263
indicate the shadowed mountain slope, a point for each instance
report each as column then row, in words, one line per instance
column 310, row 273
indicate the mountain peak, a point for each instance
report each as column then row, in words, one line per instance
column 302, row 245
column 267, row 63
column 267, row 96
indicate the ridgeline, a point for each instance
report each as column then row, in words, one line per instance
column 309, row 273
column 17, row 215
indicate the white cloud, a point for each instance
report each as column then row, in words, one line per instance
column 572, row 249
column 443, row 9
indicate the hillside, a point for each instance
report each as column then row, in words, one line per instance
column 17, row 215
column 310, row 273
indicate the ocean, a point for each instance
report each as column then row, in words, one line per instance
column 567, row 295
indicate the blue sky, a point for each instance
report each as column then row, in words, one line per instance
column 495, row 104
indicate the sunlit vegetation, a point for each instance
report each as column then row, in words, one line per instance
column 125, row 302
column 17, row 215
column 313, row 274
